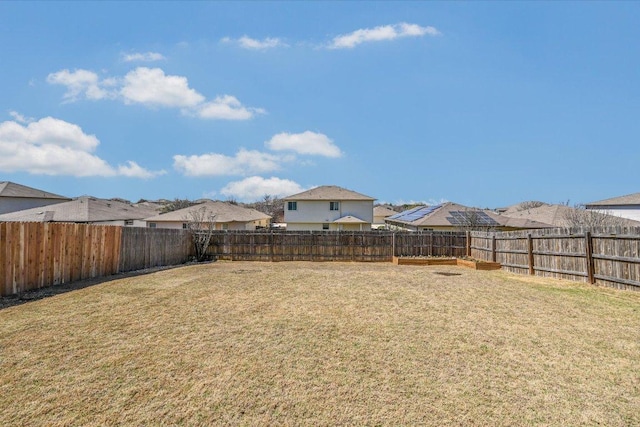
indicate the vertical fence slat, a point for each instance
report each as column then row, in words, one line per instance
column 35, row 255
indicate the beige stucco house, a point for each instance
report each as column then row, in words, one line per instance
column 328, row 207
column 223, row 215
column 379, row 214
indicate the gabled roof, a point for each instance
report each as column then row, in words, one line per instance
column 629, row 199
column 383, row 211
column 82, row 209
column 11, row 189
column 454, row 215
column 221, row 212
column 557, row 215
column 329, row 192
column 349, row 219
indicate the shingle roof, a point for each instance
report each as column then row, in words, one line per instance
column 82, row 209
column 629, row 199
column 349, row 219
column 11, row 189
column 452, row 214
column 556, row 215
column 383, row 211
column 329, row 192
column 223, row 211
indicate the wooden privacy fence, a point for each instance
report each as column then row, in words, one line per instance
column 148, row 247
column 333, row 245
column 605, row 256
column 35, row 255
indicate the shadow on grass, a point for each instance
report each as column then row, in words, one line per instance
column 38, row 294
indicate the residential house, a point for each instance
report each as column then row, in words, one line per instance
column 328, row 207
column 624, row 206
column 223, row 215
column 86, row 209
column 16, row 197
column 454, row 217
column 565, row 216
column 379, row 214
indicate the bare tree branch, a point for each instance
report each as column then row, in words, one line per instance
column 579, row 216
column 201, row 224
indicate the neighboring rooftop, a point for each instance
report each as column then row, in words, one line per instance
column 222, row 212
column 383, row 211
column 349, row 219
column 454, row 215
column 83, row 209
column 629, row 199
column 561, row 215
column 11, row 189
column 329, row 192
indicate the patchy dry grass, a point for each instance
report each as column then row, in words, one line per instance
column 323, row 344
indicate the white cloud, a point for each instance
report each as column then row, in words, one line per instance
column 134, row 170
column 243, row 163
column 384, row 32
column 81, row 83
column 51, row 146
column 247, row 42
column 255, row 187
column 20, row 118
column 304, row 143
column 151, row 86
column 226, row 107
column 142, row 57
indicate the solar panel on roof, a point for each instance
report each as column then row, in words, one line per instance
column 414, row 214
column 471, row 218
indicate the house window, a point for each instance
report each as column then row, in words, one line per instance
column 292, row 206
column 184, row 225
column 128, row 222
column 334, row 206
column 325, row 226
column 225, row 226
column 152, row 225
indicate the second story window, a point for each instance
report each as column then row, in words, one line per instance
column 292, row 206
column 334, row 206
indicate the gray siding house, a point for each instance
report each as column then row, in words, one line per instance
column 16, row 197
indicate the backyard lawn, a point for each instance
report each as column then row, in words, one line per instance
column 298, row 343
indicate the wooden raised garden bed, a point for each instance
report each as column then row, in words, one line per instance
column 473, row 264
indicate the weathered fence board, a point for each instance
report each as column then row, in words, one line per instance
column 361, row 246
column 147, row 247
column 606, row 256
column 36, row 255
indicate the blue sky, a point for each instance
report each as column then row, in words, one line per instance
column 482, row 103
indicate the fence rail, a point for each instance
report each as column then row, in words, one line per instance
column 35, row 255
column 362, row 246
column 605, row 256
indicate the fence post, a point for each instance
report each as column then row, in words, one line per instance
column 530, row 249
column 468, row 243
column 271, row 245
column 493, row 248
column 393, row 245
column 588, row 243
